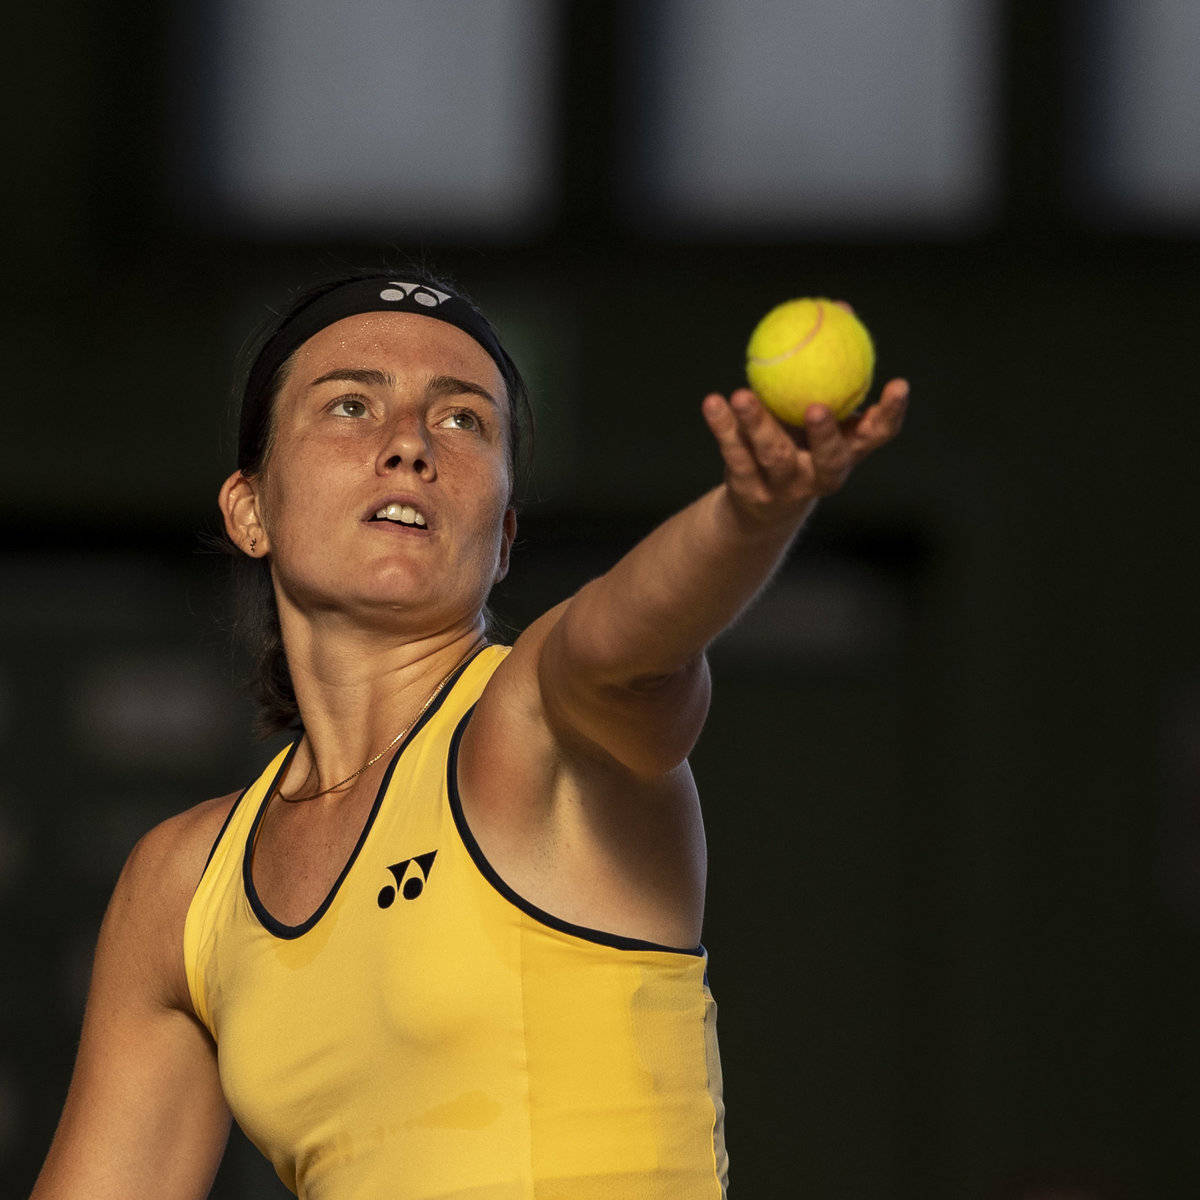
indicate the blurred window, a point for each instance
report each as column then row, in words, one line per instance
column 1140, row 163
column 769, row 116
column 390, row 116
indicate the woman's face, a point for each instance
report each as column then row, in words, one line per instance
column 385, row 491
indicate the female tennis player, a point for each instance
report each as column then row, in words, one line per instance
column 448, row 943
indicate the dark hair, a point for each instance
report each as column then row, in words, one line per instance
column 256, row 618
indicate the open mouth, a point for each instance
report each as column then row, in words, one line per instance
column 401, row 514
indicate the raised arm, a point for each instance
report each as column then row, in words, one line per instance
column 622, row 666
column 144, row 1116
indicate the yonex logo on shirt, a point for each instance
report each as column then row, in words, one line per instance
column 412, row 886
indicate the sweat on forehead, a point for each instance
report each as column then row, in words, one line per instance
column 378, row 293
column 391, row 344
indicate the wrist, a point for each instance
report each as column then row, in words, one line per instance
column 761, row 523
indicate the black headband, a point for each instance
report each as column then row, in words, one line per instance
column 376, row 294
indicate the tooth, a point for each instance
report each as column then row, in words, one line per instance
column 381, row 514
column 408, row 514
column 393, row 512
column 420, row 519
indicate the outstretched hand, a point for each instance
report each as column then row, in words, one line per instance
column 774, row 472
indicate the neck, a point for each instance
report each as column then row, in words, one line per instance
column 357, row 691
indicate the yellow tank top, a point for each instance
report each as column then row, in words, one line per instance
column 428, row 1034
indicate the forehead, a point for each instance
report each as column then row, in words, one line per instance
column 405, row 345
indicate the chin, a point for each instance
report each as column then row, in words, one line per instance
column 417, row 610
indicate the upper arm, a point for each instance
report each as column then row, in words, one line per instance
column 593, row 699
column 144, row 1115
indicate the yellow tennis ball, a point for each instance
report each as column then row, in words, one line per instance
column 810, row 351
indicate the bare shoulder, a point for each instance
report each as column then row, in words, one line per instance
column 550, row 699
column 169, row 859
column 180, row 845
column 526, row 753
column 510, row 719
column 143, row 927
column 515, row 680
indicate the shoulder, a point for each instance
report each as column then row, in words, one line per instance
column 143, row 926
column 557, row 694
column 169, row 859
column 510, row 713
column 524, row 745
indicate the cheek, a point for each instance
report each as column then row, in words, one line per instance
column 274, row 503
column 281, row 513
column 488, row 531
column 301, row 479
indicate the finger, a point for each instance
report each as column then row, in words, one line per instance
column 829, row 448
column 720, row 418
column 772, row 447
column 883, row 420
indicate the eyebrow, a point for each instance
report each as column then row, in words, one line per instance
column 449, row 385
column 363, row 375
column 439, row 385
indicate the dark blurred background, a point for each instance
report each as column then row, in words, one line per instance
column 952, row 774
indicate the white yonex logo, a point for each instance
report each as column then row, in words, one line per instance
column 419, row 293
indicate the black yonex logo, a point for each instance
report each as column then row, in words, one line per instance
column 418, row 293
column 411, row 887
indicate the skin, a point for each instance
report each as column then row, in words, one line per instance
column 573, row 771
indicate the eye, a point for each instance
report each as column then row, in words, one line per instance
column 462, row 418
column 349, row 406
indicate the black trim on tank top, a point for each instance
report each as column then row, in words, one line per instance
column 616, row 940
column 270, row 923
column 224, row 826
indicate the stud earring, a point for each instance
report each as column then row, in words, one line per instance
column 253, row 543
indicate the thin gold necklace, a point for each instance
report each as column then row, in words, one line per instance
column 437, row 691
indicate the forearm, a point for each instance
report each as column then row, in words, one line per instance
column 621, row 664
column 658, row 608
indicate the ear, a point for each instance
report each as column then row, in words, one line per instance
column 238, row 502
column 508, row 534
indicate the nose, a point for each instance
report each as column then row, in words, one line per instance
column 407, row 445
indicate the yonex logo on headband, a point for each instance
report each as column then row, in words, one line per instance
column 418, row 293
